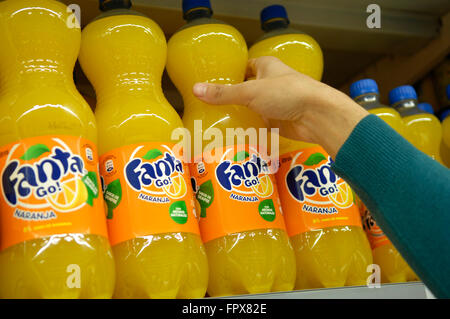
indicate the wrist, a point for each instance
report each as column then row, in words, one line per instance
column 329, row 118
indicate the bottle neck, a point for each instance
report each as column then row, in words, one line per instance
column 367, row 98
column 192, row 103
column 34, row 74
column 407, row 107
column 275, row 24
column 115, row 4
column 116, row 12
column 197, row 13
column 129, row 87
column 368, row 101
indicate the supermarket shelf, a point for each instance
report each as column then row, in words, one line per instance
column 349, row 46
column 336, row 27
column 413, row 290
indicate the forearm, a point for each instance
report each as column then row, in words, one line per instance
column 408, row 194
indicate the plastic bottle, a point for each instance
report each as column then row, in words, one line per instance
column 322, row 219
column 53, row 231
column 246, row 242
column 393, row 267
column 365, row 92
column 445, row 150
column 152, row 225
column 446, row 122
column 422, row 129
column 445, row 143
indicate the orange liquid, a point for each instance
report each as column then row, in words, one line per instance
column 393, row 267
column 424, row 131
column 125, row 67
column 37, row 98
column 333, row 256
column 256, row 261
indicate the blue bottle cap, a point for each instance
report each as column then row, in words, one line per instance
column 364, row 86
column 426, row 107
column 272, row 12
column 448, row 91
column 444, row 115
column 404, row 92
column 191, row 4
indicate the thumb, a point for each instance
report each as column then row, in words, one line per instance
column 221, row 94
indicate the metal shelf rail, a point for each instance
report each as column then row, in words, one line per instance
column 411, row 290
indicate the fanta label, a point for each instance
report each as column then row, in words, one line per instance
column 50, row 185
column 374, row 233
column 146, row 192
column 312, row 195
column 237, row 193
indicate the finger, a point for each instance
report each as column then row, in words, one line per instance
column 221, row 94
column 266, row 66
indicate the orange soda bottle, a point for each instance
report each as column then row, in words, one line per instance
column 53, row 236
column 322, row 219
column 152, row 225
column 445, row 122
column 241, row 223
column 393, row 267
column 422, row 129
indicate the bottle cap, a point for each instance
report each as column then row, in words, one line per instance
column 444, row 115
column 404, row 92
column 426, row 107
column 106, row 5
column 273, row 12
column 364, row 86
column 192, row 4
column 448, row 91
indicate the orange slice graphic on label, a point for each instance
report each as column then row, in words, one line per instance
column 72, row 195
column 264, row 188
column 178, row 187
column 344, row 197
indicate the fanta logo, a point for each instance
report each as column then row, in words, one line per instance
column 232, row 176
column 304, row 183
column 41, row 178
column 165, row 173
column 319, row 184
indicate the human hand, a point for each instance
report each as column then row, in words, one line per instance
column 301, row 107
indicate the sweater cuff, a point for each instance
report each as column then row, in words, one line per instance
column 371, row 142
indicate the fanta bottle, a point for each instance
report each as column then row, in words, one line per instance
column 241, row 223
column 53, row 236
column 321, row 218
column 393, row 267
column 446, row 121
column 422, row 129
column 445, row 143
column 445, row 149
column 152, row 225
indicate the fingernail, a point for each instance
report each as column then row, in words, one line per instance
column 200, row 89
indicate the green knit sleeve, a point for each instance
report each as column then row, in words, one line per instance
column 407, row 193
